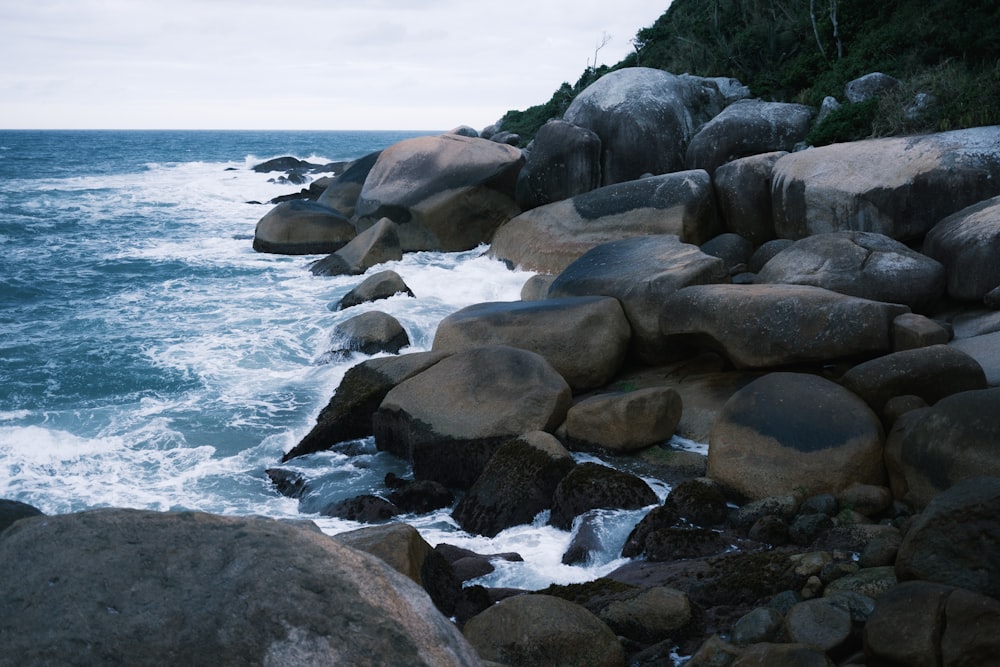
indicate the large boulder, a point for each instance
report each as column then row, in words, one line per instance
column 348, row 415
column 759, row 326
column 968, row 243
column 928, row 372
column 451, row 418
column 549, row 238
column 301, row 227
column 135, row 587
column 376, row 245
column 897, row 186
column 957, row 438
column 518, row 482
column 743, row 190
column 864, row 264
column 955, row 540
column 641, row 273
column 565, row 160
column 645, row 118
column 623, row 422
column 342, row 193
column 748, row 127
column 584, row 338
column 530, row 630
column 788, row 431
column 445, row 192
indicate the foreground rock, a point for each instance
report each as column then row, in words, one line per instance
column 446, row 193
column 136, row 587
column 898, row 186
column 450, row 419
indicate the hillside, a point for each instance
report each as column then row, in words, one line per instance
column 799, row 51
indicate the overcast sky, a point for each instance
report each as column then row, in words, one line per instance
column 305, row 64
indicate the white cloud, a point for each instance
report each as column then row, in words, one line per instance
column 317, row 64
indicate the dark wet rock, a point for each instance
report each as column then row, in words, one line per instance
column 699, row 501
column 365, row 509
column 14, row 510
column 591, row 486
column 348, row 415
column 924, row 624
column 518, row 482
column 375, row 287
column 421, row 496
column 288, row 482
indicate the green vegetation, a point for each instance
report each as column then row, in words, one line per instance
column 805, row 50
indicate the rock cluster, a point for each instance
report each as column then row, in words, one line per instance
column 824, row 319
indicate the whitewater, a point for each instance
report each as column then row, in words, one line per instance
column 149, row 358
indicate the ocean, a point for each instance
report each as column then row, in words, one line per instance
column 150, row 358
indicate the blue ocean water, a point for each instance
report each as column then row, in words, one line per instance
column 150, row 358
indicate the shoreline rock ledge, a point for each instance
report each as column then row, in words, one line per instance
column 826, row 320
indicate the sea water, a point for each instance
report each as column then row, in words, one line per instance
column 150, row 358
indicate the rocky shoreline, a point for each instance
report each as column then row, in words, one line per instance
column 823, row 318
